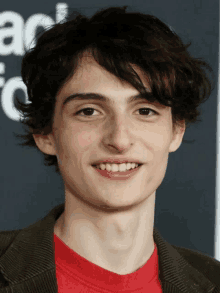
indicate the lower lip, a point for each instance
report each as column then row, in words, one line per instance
column 118, row 175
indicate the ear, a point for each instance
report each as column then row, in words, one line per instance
column 178, row 134
column 45, row 143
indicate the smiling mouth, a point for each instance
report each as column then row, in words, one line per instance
column 96, row 166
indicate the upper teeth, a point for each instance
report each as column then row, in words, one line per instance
column 117, row 167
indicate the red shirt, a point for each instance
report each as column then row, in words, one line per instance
column 76, row 274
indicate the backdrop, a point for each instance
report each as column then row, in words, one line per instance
column 187, row 201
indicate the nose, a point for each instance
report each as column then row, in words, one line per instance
column 118, row 135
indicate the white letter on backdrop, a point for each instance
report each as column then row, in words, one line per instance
column 8, row 97
column 31, row 26
column 61, row 12
column 15, row 32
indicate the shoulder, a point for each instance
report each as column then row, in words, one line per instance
column 204, row 263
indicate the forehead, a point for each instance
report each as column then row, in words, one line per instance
column 90, row 75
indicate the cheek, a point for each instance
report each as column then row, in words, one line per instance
column 84, row 139
column 158, row 140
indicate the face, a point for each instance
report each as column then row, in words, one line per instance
column 114, row 128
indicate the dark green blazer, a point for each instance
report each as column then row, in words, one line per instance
column 27, row 262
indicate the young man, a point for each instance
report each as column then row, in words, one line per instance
column 110, row 99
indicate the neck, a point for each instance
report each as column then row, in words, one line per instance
column 120, row 242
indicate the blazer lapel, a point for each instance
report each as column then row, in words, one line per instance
column 29, row 263
column 175, row 273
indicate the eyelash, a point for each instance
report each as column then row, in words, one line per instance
column 78, row 112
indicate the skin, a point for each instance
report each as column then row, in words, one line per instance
column 109, row 222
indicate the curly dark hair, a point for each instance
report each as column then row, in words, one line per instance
column 117, row 39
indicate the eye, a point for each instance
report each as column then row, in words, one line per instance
column 146, row 110
column 86, row 110
column 89, row 111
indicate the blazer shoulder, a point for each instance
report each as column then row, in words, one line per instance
column 207, row 265
column 196, row 254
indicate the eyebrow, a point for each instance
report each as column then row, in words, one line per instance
column 94, row 96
